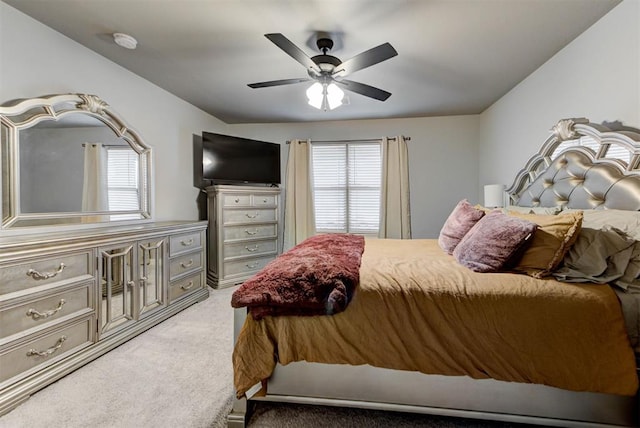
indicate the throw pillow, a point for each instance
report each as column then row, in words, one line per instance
column 630, row 280
column 459, row 222
column 598, row 256
column 493, row 242
column 553, row 238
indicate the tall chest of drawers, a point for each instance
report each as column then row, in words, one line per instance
column 67, row 298
column 243, row 232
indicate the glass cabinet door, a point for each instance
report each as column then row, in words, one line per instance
column 117, row 283
column 151, row 270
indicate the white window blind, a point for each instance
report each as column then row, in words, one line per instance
column 346, row 187
column 122, row 182
column 614, row 151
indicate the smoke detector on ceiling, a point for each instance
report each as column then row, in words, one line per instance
column 125, row 40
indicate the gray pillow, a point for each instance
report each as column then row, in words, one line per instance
column 599, row 256
column 630, row 281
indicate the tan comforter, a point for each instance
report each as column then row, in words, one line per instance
column 417, row 309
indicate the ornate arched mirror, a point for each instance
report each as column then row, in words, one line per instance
column 70, row 160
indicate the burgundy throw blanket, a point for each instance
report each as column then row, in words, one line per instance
column 316, row 277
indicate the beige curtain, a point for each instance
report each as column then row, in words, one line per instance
column 299, row 219
column 94, row 188
column 395, row 216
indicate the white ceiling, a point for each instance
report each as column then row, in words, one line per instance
column 454, row 56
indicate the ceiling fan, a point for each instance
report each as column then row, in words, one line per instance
column 329, row 72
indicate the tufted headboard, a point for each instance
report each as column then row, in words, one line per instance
column 582, row 165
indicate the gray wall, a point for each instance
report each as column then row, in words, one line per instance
column 47, row 62
column 442, row 157
column 450, row 157
column 51, row 172
column 596, row 76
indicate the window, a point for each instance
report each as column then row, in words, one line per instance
column 346, row 187
column 614, row 151
column 582, row 141
column 122, row 182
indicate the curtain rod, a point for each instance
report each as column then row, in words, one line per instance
column 368, row 140
column 108, row 145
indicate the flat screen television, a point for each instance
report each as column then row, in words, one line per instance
column 235, row 160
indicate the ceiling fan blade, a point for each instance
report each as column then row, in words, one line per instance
column 366, row 59
column 292, row 50
column 362, row 89
column 277, row 83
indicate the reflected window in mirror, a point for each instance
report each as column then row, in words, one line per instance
column 123, row 190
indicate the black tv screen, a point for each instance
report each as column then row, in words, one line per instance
column 228, row 159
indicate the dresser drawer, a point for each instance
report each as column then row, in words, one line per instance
column 264, row 200
column 44, row 350
column 249, row 248
column 252, row 215
column 248, row 200
column 184, row 286
column 19, row 316
column 186, row 263
column 247, row 266
column 46, row 270
column 179, row 244
column 231, row 200
column 231, row 233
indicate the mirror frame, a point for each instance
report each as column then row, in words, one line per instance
column 26, row 113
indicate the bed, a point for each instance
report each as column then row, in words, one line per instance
column 425, row 333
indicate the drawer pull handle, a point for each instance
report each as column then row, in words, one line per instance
column 46, row 275
column 131, row 283
column 187, row 264
column 253, row 265
column 255, row 232
column 37, row 315
column 187, row 286
column 252, row 216
column 46, row 353
column 143, row 279
column 236, row 200
column 251, row 250
column 187, row 243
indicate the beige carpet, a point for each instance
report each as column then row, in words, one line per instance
column 281, row 415
column 179, row 375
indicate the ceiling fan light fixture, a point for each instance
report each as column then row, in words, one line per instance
column 315, row 95
column 323, row 96
column 334, row 96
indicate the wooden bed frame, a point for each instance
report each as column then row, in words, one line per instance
column 613, row 184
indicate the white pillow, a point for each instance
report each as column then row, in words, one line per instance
column 533, row 210
column 626, row 221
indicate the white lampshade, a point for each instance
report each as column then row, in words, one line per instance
column 494, row 195
column 315, row 95
column 325, row 96
column 334, row 96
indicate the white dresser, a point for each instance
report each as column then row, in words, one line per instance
column 67, row 298
column 243, row 232
column 83, row 267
